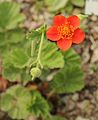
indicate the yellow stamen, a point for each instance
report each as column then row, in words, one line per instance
column 65, row 31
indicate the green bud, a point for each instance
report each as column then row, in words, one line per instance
column 35, row 72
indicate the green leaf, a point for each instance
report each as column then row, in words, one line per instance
column 71, row 58
column 3, row 50
column 39, row 106
column 14, row 66
column 2, row 39
column 19, row 58
column 16, row 101
column 9, row 15
column 15, row 72
column 49, row 50
column 15, row 36
column 5, row 105
column 12, row 74
column 69, row 8
column 12, row 36
column 36, row 34
column 78, row 3
column 50, row 56
column 68, row 80
column 25, row 76
column 55, row 118
column 9, row 71
column 56, row 4
column 48, row 2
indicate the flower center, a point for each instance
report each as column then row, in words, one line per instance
column 65, row 31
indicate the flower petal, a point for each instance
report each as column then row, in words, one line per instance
column 78, row 36
column 74, row 21
column 52, row 33
column 64, row 44
column 59, row 20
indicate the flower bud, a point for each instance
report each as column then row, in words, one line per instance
column 35, row 72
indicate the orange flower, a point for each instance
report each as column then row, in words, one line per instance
column 65, row 31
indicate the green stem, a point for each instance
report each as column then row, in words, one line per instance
column 32, row 48
column 39, row 52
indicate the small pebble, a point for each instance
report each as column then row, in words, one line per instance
column 75, row 97
column 81, row 118
column 84, row 105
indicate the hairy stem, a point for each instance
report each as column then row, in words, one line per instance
column 40, row 49
column 32, row 48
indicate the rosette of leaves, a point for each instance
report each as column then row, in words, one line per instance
column 20, row 103
column 10, row 32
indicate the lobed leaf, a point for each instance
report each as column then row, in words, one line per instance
column 71, row 58
column 21, row 103
column 39, row 105
column 15, row 69
column 12, row 36
column 16, row 35
column 19, row 58
column 11, row 16
column 50, row 56
column 15, row 101
column 12, row 74
column 68, row 80
column 49, row 50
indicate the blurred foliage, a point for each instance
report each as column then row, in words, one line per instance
column 56, row 5
column 12, row 18
column 16, row 102
column 21, row 103
column 12, row 37
column 78, row 3
column 10, row 32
